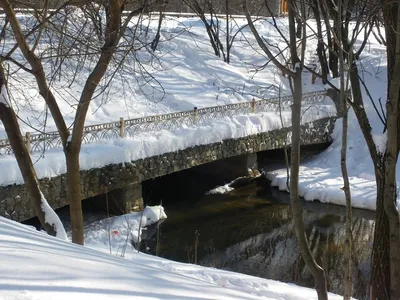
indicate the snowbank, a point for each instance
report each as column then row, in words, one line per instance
column 117, row 234
column 37, row 266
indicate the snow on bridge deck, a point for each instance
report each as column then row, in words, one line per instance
column 159, row 145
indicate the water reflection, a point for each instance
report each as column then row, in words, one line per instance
column 250, row 231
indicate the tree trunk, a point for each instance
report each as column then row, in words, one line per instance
column 297, row 209
column 346, row 187
column 321, row 45
column 333, row 46
column 73, row 146
column 156, row 39
column 23, row 158
column 380, row 268
column 74, row 194
column 392, row 149
column 228, row 47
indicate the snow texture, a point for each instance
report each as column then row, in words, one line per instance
column 192, row 76
column 147, row 144
column 380, row 141
column 52, row 218
column 115, row 233
column 38, row 266
column 223, row 189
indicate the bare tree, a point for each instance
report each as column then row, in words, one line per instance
column 343, row 157
column 385, row 275
column 391, row 13
column 211, row 23
column 47, row 217
column 101, row 51
column 161, row 8
column 296, row 11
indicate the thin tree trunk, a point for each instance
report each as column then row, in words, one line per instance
column 343, row 159
column 297, row 209
column 228, row 48
column 346, row 189
column 73, row 146
column 392, row 150
column 321, row 45
column 392, row 19
column 23, row 158
column 156, row 39
column 380, row 267
column 327, row 6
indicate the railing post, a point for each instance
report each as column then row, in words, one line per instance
column 28, row 141
column 121, row 127
column 195, row 115
column 253, row 106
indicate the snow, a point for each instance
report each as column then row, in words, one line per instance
column 321, row 177
column 188, row 75
column 37, row 266
column 52, row 218
column 147, row 144
column 223, row 189
column 325, row 185
column 380, row 141
column 114, row 234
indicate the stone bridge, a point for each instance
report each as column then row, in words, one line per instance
column 123, row 181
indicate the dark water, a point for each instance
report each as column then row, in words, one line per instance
column 249, row 230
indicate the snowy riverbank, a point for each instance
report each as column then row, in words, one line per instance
column 36, row 266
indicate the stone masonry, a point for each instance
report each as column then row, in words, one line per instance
column 14, row 203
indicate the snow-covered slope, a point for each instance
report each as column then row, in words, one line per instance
column 185, row 74
column 321, row 178
column 36, row 266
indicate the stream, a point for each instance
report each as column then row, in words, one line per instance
column 249, row 230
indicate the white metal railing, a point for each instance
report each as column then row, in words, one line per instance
column 127, row 128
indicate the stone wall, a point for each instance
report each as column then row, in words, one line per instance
column 14, row 203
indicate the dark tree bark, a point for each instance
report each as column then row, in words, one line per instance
column 156, row 40
column 392, row 27
column 329, row 13
column 321, row 45
column 380, row 266
column 212, row 28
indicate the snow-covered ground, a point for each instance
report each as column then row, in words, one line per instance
column 36, row 266
column 321, row 177
column 190, row 75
